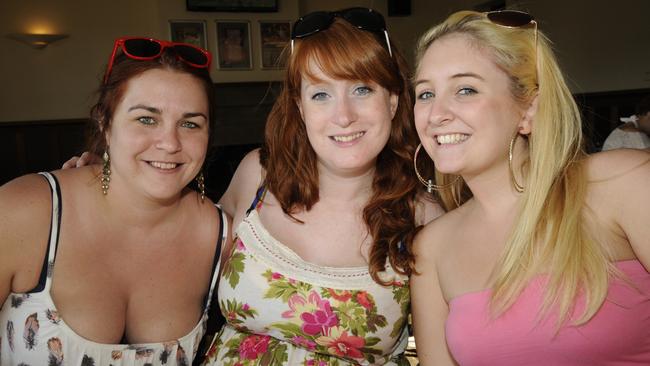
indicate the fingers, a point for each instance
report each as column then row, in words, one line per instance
column 71, row 163
column 86, row 158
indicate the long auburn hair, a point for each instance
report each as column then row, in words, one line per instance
column 550, row 234
column 344, row 52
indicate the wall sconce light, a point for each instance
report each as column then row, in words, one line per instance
column 37, row 41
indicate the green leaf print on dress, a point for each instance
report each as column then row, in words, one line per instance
column 234, row 266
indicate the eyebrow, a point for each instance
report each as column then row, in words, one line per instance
column 196, row 114
column 146, row 108
column 454, row 76
column 158, row 111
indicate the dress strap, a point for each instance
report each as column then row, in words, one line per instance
column 259, row 199
column 216, row 264
column 45, row 280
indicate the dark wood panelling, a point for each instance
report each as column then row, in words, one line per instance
column 241, row 110
column 601, row 112
column 30, row 147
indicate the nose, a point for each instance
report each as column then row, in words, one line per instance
column 439, row 112
column 345, row 112
column 169, row 140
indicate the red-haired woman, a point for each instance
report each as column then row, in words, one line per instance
column 318, row 272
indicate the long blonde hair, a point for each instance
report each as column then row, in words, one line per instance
column 549, row 234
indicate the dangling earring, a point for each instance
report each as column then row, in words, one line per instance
column 429, row 183
column 106, row 171
column 519, row 188
column 200, row 182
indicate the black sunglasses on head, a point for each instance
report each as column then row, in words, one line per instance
column 362, row 18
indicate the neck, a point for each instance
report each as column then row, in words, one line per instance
column 129, row 209
column 493, row 190
column 345, row 188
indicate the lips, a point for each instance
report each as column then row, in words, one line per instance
column 347, row 138
column 451, row 138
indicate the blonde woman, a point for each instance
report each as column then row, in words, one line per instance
column 542, row 258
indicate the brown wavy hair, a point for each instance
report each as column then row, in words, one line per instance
column 344, row 52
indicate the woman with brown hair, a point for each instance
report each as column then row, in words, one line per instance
column 115, row 264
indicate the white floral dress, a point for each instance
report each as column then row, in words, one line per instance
column 281, row 310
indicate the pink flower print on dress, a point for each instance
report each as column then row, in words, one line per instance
column 321, row 319
column 363, row 300
column 340, row 295
column 343, row 345
column 253, row 346
column 304, row 342
column 315, row 363
column 31, row 331
column 276, row 276
column 240, row 245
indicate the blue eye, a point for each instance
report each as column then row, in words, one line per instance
column 319, row 96
column 363, row 90
column 425, row 95
column 190, row 124
column 146, row 120
column 467, row 91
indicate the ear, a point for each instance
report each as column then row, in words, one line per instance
column 526, row 123
column 394, row 102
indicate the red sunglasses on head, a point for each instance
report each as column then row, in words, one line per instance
column 141, row 48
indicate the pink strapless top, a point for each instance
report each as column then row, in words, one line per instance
column 618, row 335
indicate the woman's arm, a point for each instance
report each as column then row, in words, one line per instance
column 631, row 198
column 428, row 305
column 25, row 210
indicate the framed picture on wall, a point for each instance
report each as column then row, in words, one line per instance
column 234, row 45
column 248, row 6
column 188, row 31
column 274, row 38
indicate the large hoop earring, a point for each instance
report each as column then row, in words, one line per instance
column 518, row 187
column 428, row 183
column 106, row 171
column 200, row 182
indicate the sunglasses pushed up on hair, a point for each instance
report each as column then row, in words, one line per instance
column 513, row 19
column 145, row 49
column 362, row 18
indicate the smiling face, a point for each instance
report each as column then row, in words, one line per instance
column 348, row 122
column 158, row 136
column 465, row 114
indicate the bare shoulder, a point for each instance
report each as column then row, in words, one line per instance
column 427, row 209
column 243, row 185
column 24, row 199
column 618, row 166
column 25, row 213
column 618, row 194
column 430, row 242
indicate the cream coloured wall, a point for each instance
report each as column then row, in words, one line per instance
column 602, row 46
